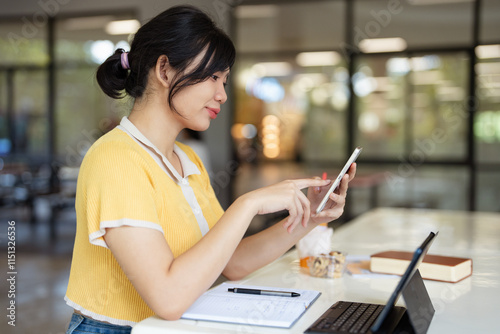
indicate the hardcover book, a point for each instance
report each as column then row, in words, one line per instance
column 433, row 267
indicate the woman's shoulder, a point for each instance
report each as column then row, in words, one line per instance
column 112, row 146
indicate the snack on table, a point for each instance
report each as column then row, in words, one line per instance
column 327, row 265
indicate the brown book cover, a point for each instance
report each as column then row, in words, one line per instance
column 433, row 267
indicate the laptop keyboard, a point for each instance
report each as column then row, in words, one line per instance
column 347, row 317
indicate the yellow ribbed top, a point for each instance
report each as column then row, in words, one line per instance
column 121, row 184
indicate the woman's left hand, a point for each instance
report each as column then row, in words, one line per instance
column 334, row 207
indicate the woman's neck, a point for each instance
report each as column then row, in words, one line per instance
column 158, row 126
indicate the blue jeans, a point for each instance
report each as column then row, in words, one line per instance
column 81, row 324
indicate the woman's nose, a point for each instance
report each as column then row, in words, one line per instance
column 220, row 95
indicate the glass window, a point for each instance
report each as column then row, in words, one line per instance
column 292, row 107
column 311, row 25
column 487, row 119
column 406, row 185
column 490, row 23
column 432, row 87
column 88, row 40
column 439, row 99
column 23, row 42
column 488, row 185
column 83, row 113
column 379, row 84
column 419, row 23
column 30, row 113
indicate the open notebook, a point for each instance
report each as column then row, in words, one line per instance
column 220, row 305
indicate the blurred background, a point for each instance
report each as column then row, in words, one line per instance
column 416, row 83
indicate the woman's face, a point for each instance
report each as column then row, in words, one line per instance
column 200, row 103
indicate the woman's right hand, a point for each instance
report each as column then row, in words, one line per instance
column 286, row 195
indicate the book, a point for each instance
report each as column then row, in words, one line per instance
column 217, row 304
column 433, row 267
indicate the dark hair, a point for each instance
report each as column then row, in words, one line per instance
column 181, row 33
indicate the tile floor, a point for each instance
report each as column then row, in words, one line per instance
column 42, row 268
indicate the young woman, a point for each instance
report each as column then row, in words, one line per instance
column 151, row 236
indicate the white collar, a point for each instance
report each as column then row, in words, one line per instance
column 188, row 167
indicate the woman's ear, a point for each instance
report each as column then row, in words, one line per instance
column 163, row 71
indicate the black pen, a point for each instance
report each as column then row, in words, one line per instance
column 264, row 292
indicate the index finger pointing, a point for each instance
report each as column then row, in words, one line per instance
column 305, row 183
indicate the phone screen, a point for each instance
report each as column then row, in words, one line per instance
column 336, row 182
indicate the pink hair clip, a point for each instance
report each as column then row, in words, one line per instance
column 124, row 59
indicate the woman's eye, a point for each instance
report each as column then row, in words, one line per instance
column 216, row 77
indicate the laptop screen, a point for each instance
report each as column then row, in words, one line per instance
column 418, row 256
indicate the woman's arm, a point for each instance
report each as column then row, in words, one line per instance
column 264, row 247
column 170, row 285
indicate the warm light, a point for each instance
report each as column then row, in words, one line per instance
column 270, row 129
column 271, row 136
column 256, row 11
column 237, row 131
column 382, row 45
column 272, row 69
column 271, row 119
column 488, row 51
column 123, row 27
column 86, row 22
column 269, row 140
column 271, row 151
column 317, row 58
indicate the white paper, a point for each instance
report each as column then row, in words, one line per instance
column 218, row 304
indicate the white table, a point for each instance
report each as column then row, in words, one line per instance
column 470, row 306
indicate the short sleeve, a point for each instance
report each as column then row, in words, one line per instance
column 116, row 188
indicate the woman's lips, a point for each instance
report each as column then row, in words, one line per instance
column 213, row 112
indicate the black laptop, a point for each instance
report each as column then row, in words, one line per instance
column 352, row 317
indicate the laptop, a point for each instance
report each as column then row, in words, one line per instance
column 352, row 317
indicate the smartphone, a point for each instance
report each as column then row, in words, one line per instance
column 336, row 182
